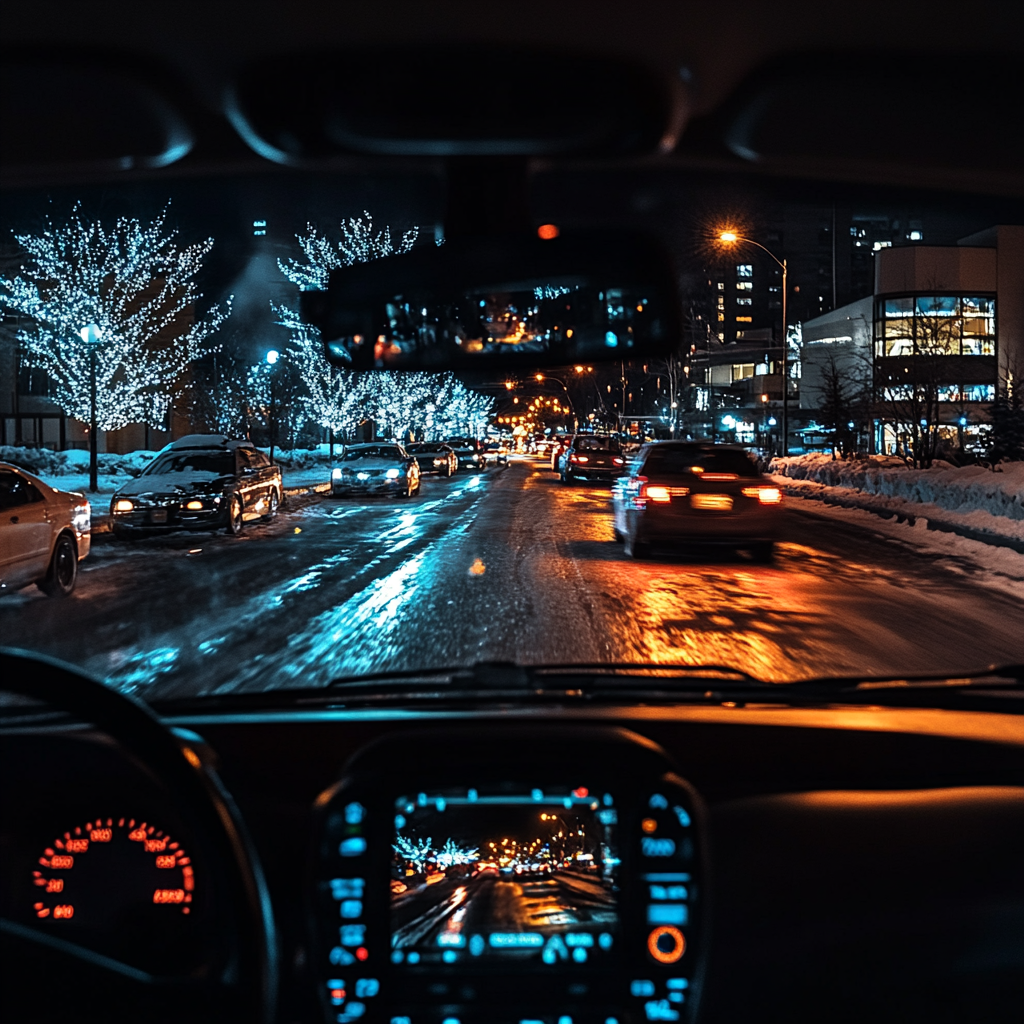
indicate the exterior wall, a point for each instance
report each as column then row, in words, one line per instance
column 844, row 335
column 928, row 268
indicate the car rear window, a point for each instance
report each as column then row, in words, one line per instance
column 670, row 461
column 596, row 444
column 377, row 451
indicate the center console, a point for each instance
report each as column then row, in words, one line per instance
column 509, row 875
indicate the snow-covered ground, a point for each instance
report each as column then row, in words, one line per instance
column 969, row 500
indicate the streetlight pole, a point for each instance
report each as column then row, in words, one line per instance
column 730, row 237
column 91, row 336
column 541, row 377
column 272, row 357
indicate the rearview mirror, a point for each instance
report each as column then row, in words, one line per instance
column 478, row 301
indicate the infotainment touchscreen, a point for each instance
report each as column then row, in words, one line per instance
column 528, row 877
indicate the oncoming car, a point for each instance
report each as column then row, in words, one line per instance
column 681, row 493
column 378, row 468
column 199, row 482
column 44, row 533
column 434, row 457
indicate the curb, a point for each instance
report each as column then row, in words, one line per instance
column 937, row 525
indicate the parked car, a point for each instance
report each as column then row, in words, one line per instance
column 44, row 533
column 199, row 482
column 496, row 452
column 469, row 452
column 692, row 493
column 377, row 468
column 591, row 457
column 434, row 457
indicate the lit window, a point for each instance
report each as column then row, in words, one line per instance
column 916, row 236
column 740, row 301
column 741, row 371
column 721, row 286
column 980, row 393
column 745, row 270
column 881, row 245
column 744, row 319
column 744, row 286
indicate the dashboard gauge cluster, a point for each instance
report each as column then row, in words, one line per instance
column 571, row 892
column 103, row 862
column 100, row 872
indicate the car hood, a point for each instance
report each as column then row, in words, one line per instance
column 176, row 484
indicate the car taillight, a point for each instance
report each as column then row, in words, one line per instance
column 193, row 506
column 765, row 495
column 616, row 461
column 579, row 458
column 653, row 492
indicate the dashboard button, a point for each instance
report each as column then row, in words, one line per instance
column 666, row 944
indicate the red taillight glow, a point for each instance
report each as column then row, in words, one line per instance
column 765, row 495
column 579, row 458
column 616, row 461
column 719, row 476
column 655, row 493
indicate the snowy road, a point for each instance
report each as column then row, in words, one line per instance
column 508, row 565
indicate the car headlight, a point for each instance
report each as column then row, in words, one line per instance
column 193, row 506
column 81, row 517
column 393, row 474
column 123, row 505
column 440, row 462
column 335, row 474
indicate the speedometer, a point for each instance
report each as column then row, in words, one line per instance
column 112, row 873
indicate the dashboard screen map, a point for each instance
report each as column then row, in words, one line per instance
column 479, row 878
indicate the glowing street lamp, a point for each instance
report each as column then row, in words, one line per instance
column 732, row 238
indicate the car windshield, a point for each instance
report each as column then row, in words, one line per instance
column 376, row 451
column 850, row 352
column 220, row 463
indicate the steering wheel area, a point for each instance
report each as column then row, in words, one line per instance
column 47, row 976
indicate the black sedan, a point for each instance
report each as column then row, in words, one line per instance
column 199, row 482
column 469, row 452
column 591, row 457
column 696, row 493
column 434, row 457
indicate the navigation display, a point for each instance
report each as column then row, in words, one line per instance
column 528, row 877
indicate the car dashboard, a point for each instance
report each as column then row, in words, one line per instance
column 556, row 864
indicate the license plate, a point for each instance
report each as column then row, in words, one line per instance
column 158, row 515
column 712, row 502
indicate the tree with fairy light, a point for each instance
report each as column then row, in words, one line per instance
column 115, row 300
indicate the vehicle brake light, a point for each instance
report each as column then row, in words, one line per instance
column 193, row 506
column 719, row 476
column 655, row 493
column 765, row 495
column 579, row 458
column 616, row 461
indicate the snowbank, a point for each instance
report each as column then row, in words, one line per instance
column 75, row 463
column 969, row 501
column 956, row 489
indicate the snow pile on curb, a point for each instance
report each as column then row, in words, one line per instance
column 75, row 462
column 971, row 501
column 957, row 489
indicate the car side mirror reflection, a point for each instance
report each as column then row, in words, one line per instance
column 511, row 300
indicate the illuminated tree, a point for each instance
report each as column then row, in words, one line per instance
column 360, row 242
column 137, row 285
column 452, row 853
column 414, row 851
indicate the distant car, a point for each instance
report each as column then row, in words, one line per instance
column 681, row 493
column 378, row 468
column 434, row 457
column 199, row 482
column 496, row 451
column 469, row 452
column 44, row 534
column 591, row 457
